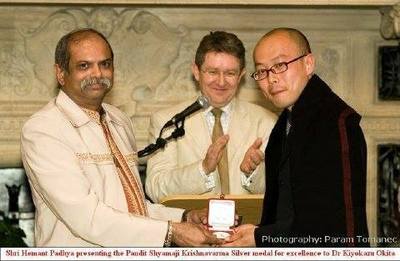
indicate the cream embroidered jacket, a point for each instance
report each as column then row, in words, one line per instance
column 77, row 193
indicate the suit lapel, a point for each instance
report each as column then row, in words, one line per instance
column 305, row 118
column 197, row 133
column 302, row 134
column 304, row 129
column 238, row 128
column 284, row 141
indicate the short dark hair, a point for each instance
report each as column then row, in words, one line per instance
column 62, row 54
column 298, row 37
column 220, row 42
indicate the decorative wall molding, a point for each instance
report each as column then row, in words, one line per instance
column 390, row 23
column 154, row 49
column 213, row 2
column 389, row 189
column 381, row 124
column 139, row 75
column 373, row 140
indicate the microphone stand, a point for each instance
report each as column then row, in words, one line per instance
column 161, row 142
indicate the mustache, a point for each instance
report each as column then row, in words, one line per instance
column 103, row 81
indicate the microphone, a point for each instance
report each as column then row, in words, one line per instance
column 200, row 103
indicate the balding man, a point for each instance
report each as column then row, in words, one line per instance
column 315, row 158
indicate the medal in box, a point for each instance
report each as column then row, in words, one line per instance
column 221, row 217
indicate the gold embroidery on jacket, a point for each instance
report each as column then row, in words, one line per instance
column 94, row 115
column 96, row 158
column 131, row 158
column 134, row 193
column 133, row 190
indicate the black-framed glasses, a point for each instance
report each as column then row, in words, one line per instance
column 276, row 69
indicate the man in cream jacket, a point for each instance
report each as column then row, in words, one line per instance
column 80, row 157
column 190, row 164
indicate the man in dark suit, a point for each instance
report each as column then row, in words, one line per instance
column 315, row 158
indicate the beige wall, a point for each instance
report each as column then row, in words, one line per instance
column 154, row 47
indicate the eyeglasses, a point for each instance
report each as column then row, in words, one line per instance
column 213, row 73
column 276, row 69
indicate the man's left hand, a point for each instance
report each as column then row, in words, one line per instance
column 242, row 236
column 253, row 157
column 197, row 216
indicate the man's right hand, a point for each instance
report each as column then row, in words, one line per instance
column 188, row 234
column 196, row 216
column 253, row 157
column 214, row 154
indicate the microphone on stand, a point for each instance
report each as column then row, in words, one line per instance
column 200, row 103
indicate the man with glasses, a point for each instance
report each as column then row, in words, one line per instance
column 315, row 158
column 220, row 150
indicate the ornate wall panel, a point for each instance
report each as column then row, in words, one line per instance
column 154, row 47
column 389, row 190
